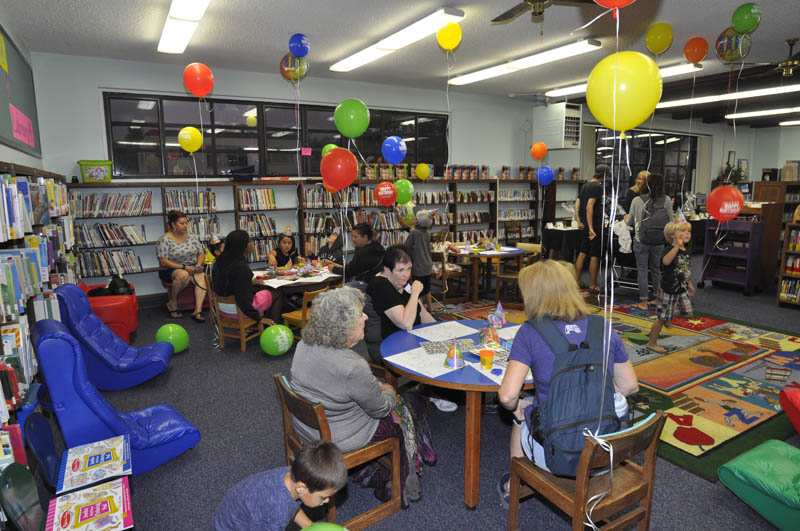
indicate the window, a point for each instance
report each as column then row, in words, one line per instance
column 672, row 155
column 252, row 138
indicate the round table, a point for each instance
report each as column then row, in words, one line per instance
column 468, row 379
column 505, row 252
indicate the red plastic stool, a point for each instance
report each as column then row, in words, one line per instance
column 119, row 312
column 185, row 297
column 790, row 402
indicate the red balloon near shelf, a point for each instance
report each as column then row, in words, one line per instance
column 696, row 49
column 385, row 194
column 198, row 79
column 614, row 4
column 339, row 169
column 539, row 150
column 725, row 202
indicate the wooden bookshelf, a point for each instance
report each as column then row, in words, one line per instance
column 789, row 269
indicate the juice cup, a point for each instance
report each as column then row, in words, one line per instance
column 487, row 358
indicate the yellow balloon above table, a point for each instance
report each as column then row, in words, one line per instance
column 623, row 90
column 449, row 37
column 190, row 139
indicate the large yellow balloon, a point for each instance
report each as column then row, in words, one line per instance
column 190, row 139
column 422, row 171
column 449, row 37
column 659, row 37
column 623, row 90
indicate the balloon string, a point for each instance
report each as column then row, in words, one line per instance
column 735, row 109
column 357, row 151
column 595, row 19
column 202, row 145
column 296, row 91
column 450, row 62
column 650, row 140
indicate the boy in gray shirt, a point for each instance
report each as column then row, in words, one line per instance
column 418, row 246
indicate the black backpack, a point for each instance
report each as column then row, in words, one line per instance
column 116, row 286
column 651, row 228
column 575, row 395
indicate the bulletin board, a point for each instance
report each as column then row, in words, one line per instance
column 19, row 121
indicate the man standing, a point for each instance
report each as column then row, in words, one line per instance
column 590, row 219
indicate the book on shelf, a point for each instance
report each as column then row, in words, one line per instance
column 103, row 506
column 516, row 195
column 257, row 225
column 190, row 201
column 789, row 291
column 257, row 199
column 476, row 196
column 111, row 204
column 103, row 263
column 434, row 198
column 261, row 248
column 315, row 196
column 467, row 218
column 205, row 228
column 516, row 214
column 470, row 236
column 110, row 235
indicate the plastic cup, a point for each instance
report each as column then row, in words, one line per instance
column 487, row 358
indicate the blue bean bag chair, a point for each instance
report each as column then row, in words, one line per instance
column 111, row 363
column 157, row 434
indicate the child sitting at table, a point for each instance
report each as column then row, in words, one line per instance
column 286, row 253
column 270, row 500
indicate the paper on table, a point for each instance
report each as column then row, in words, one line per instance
column 496, row 378
column 417, row 360
column 508, row 333
column 444, row 331
column 276, row 282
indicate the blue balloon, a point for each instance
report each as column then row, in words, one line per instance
column 298, row 45
column 545, row 175
column 393, row 150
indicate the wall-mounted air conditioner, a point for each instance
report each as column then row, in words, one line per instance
column 558, row 125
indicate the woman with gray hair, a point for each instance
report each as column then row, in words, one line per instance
column 360, row 409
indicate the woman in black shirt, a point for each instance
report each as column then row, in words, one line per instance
column 232, row 276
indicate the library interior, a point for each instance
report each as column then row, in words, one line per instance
column 259, row 272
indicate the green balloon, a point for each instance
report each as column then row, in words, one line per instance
column 175, row 335
column 327, row 148
column 276, row 340
column 407, row 214
column 351, row 118
column 325, row 526
column 746, row 18
column 405, row 191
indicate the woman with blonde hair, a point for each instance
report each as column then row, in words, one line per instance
column 551, row 294
column 639, row 185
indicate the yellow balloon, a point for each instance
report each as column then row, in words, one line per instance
column 422, row 171
column 629, row 81
column 449, row 37
column 190, row 139
column 251, row 120
column 659, row 37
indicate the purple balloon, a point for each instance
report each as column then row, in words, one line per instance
column 393, row 150
column 545, row 175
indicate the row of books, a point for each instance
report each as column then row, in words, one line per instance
column 28, row 203
column 441, row 218
column 110, row 204
column 466, row 173
column 476, row 196
column 527, row 231
column 320, row 223
column 389, row 238
column 471, row 236
column 258, row 225
column 190, row 201
column 110, row 235
column 18, row 356
column 205, row 228
column 516, row 214
column 465, row 218
column 261, row 248
column 105, row 263
column 257, row 199
column 789, row 291
column 316, row 196
column 517, row 195
column 433, row 198
column 24, row 272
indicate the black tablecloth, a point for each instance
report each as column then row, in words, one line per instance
column 562, row 243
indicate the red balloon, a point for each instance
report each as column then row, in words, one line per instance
column 339, row 169
column 725, row 202
column 198, row 79
column 696, row 49
column 539, row 150
column 385, row 193
column 614, row 4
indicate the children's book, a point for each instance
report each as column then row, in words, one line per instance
column 101, row 507
column 94, row 462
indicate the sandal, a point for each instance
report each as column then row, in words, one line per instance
column 175, row 314
column 198, row 317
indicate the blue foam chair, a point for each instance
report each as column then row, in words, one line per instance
column 158, row 434
column 111, row 363
column 39, row 438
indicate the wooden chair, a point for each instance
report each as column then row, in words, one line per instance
column 507, row 271
column 513, row 230
column 297, row 319
column 313, row 415
column 450, row 275
column 631, row 489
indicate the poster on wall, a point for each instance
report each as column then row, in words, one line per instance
column 19, row 121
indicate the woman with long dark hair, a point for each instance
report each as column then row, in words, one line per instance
column 180, row 258
column 232, row 275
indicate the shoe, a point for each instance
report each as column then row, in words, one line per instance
column 503, row 489
column 426, row 451
column 443, row 405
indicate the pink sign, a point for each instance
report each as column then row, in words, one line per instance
column 22, row 126
column 306, row 151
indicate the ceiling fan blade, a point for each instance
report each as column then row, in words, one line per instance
column 511, row 14
column 576, row 3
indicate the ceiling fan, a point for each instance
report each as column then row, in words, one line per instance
column 536, row 7
column 785, row 68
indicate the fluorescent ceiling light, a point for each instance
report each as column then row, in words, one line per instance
column 251, row 149
column 252, row 112
column 216, row 130
column 188, row 9
column 172, row 144
column 176, row 35
column 146, row 105
column 746, row 94
column 669, row 140
column 414, row 139
column 138, row 121
column 768, row 112
column 280, row 134
column 134, row 127
column 790, row 122
column 604, row 148
column 530, row 61
column 608, row 156
column 666, row 72
column 648, row 135
column 406, row 36
column 136, row 143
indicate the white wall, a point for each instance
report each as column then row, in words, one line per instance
column 775, row 145
column 10, row 154
column 69, row 91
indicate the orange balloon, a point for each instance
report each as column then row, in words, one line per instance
column 539, row 150
column 696, row 49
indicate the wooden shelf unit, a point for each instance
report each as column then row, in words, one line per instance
column 789, row 270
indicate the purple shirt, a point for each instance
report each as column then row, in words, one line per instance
column 532, row 350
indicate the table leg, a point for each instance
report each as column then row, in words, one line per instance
column 472, row 449
column 476, row 265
